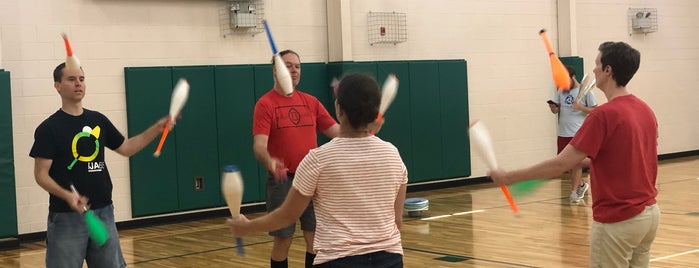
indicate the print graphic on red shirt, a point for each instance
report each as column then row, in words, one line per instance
column 293, row 116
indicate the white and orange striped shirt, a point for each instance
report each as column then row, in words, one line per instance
column 354, row 183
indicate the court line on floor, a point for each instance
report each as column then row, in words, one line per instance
column 676, row 181
column 541, row 201
column 674, row 255
column 205, row 251
column 453, row 214
column 469, row 258
column 270, row 241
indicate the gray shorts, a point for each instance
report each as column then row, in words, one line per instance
column 276, row 193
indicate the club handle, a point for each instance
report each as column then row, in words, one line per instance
column 162, row 140
column 75, row 192
column 69, row 49
column 239, row 244
column 508, row 196
column 269, row 37
column 378, row 119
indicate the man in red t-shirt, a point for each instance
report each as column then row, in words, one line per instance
column 284, row 130
column 620, row 138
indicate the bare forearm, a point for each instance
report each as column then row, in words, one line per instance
column 546, row 169
column 136, row 143
column 275, row 220
column 261, row 154
column 566, row 160
column 48, row 184
column 42, row 177
column 587, row 110
column 332, row 131
column 286, row 214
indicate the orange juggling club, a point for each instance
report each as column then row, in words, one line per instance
column 560, row 75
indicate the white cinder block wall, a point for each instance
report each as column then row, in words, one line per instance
column 508, row 70
column 668, row 59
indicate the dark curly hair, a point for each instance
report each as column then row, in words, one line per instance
column 359, row 97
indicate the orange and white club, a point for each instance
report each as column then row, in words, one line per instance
column 388, row 94
column 72, row 61
column 484, row 145
column 179, row 97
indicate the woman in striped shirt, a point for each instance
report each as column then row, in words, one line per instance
column 357, row 183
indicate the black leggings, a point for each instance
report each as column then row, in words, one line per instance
column 379, row 259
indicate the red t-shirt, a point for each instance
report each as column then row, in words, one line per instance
column 621, row 139
column 291, row 124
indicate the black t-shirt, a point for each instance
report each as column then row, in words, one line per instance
column 76, row 146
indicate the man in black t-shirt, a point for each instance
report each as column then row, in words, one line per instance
column 68, row 151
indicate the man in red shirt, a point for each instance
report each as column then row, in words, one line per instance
column 620, row 138
column 284, row 130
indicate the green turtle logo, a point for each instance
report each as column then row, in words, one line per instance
column 86, row 133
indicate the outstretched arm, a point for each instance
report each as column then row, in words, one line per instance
column 294, row 204
column 136, row 143
column 566, row 160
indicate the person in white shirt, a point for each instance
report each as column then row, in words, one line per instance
column 571, row 115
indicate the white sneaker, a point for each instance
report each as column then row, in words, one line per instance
column 579, row 193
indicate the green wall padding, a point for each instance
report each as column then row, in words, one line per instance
column 197, row 140
column 313, row 81
column 154, row 185
column 235, row 100
column 263, row 83
column 577, row 63
column 454, row 113
column 399, row 116
column 425, row 113
column 426, row 122
column 263, row 79
column 343, row 68
column 8, row 204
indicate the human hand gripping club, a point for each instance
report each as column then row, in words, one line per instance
column 95, row 227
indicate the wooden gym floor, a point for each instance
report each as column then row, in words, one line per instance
column 469, row 226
